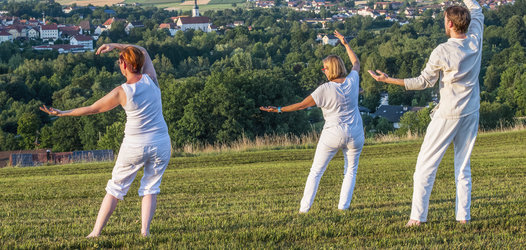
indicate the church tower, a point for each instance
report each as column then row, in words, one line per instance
column 195, row 11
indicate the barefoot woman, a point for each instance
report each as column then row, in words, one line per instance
column 343, row 129
column 146, row 142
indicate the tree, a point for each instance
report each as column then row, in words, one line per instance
column 112, row 138
column 493, row 115
column 28, row 126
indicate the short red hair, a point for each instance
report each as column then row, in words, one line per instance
column 133, row 57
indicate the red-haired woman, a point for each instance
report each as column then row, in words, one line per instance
column 146, row 142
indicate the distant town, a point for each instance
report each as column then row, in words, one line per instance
column 81, row 36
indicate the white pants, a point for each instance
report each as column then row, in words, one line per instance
column 439, row 135
column 331, row 141
column 131, row 158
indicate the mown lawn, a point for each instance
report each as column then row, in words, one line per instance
column 251, row 199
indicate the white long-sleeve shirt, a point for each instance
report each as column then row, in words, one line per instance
column 457, row 64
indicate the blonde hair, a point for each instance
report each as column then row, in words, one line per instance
column 335, row 68
column 133, row 57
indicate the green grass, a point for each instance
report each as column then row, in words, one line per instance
column 251, row 199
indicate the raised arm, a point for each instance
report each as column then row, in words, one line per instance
column 354, row 59
column 476, row 26
column 106, row 103
column 307, row 102
column 147, row 68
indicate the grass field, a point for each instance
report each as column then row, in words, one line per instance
column 251, row 199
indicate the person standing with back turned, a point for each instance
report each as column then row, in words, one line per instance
column 456, row 118
column 343, row 129
column 146, row 141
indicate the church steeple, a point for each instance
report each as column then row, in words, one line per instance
column 195, row 11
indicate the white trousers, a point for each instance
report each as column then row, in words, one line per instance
column 331, row 141
column 439, row 135
column 154, row 158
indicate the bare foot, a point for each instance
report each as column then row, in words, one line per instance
column 463, row 221
column 412, row 223
column 143, row 234
column 93, row 235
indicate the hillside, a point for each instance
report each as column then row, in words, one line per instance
column 251, row 199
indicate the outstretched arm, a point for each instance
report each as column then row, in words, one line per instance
column 383, row 77
column 106, row 103
column 427, row 79
column 307, row 102
column 147, row 68
column 354, row 59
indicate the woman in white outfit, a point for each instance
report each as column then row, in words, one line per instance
column 343, row 127
column 146, row 141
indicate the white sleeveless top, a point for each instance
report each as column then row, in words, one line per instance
column 144, row 113
column 339, row 102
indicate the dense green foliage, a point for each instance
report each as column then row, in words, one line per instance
column 213, row 83
column 251, row 200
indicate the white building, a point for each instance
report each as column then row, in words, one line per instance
column 86, row 41
column 132, row 25
column 49, row 31
column 5, row 36
column 33, row 33
column 196, row 22
column 330, row 39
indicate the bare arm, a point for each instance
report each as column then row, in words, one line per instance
column 106, row 103
column 147, row 68
column 307, row 102
column 383, row 77
column 352, row 56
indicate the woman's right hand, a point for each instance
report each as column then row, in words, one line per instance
column 269, row 109
column 52, row 111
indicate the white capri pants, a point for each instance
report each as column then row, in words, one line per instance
column 132, row 157
column 332, row 139
column 439, row 135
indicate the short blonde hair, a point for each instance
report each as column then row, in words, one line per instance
column 335, row 68
column 133, row 57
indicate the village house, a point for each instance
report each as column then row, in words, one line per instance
column 171, row 27
column 86, row 26
column 85, row 41
column 32, row 33
column 195, row 22
column 330, row 40
column 66, row 32
column 132, row 25
column 62, row 48
column 5, row 36
column 49, row 32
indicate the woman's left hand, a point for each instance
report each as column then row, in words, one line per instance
column 269, row 109
column 105, row 48
column 340, row 36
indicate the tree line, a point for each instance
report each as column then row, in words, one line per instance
column 213, row 83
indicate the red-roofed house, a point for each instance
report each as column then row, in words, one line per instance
column 49, row 31
column 69, row 31
column 110, row 21
column 171, row 27
column 86, row 41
